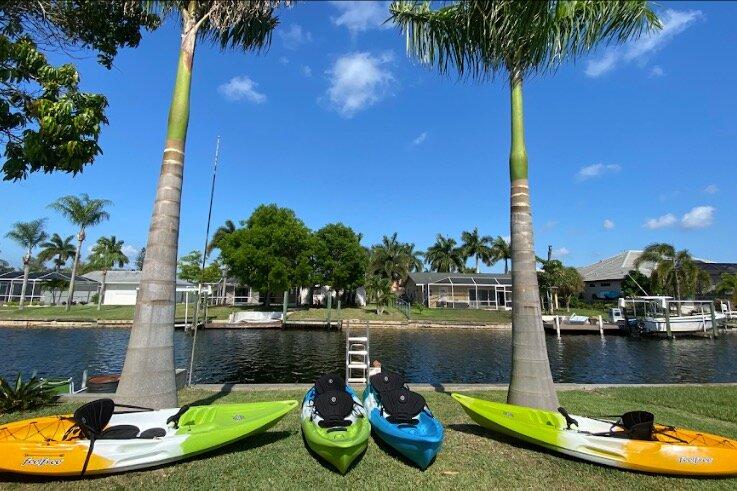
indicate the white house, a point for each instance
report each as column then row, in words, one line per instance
column 121, row 287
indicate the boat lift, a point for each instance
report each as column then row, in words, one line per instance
column 656, row 306
column 356, row 351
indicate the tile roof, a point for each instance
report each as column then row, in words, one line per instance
column 615, row 267
column 122, row 277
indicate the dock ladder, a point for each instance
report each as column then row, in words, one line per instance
column 356, row 352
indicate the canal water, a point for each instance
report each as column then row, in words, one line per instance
column 429, row 356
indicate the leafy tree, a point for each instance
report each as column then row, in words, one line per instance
column 190, row 269
column 550, row 278
column 636, row 284
column 444, row 256
column 500, row 250
column 571, row 285
column 339, row 259
column 84, row 212
column 479, row 39
column 227, row 228
column 55, row 286
column 58, row 249
column 393, row 259
column 139, row 259
column 674, row 272
column 271, row 253
column 378, row 292
column 106, row 253
column 5, row 266
column 27, row 235
column 245, row 26
column 476, row 246
column 728, row 285
column 46, row 122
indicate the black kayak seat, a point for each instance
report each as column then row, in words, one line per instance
column 402, row 406
column 152, row 433
column 119, row 432
column 334, row 407
column 329, row 382
column 384, row 382
column 93, row 417
column 638, row 425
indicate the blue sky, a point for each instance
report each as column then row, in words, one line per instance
column 628, row 146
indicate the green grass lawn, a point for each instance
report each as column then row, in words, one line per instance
column 393, row 314
column 471, row 458
column 90, row 312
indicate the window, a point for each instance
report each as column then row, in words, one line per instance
column 604, row 283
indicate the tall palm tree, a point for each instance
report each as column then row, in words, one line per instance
column 444, row 256
column 500, row 250
column 106, row 253
column 479, row 39
column 728, row 284
column 27, row 235
column 476, row 246
column 148, row 372
column 222, row 231
column 668, row 264
column 415, row 259
column 58, row 249
column 84, row 212
column 393, row 259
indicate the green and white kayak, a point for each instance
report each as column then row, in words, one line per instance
column 338, row 444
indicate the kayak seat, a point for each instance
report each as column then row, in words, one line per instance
column 119, row 432
column 152, row 433
column 329, row 382
column 384, row 382
column 638, row 425
column 93, row 417
column 334, row 407
column 402, row 406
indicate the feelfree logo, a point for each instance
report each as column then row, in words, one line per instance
column 43, row 461
column 695, row 460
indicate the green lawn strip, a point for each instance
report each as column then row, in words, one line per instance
column 89, row 313
column 393, row 314
column 471, row 457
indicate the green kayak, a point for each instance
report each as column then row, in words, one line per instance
column 337, row 441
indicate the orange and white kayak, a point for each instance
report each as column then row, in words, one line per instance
column 659, row 449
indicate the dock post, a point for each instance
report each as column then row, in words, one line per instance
column 284, row 303
column 713, row 320
column 557, row 325
column 601, row 326
column 330, row 306
column 667, row 320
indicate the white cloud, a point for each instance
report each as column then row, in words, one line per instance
column 284, row 60
column 239, row 88
column 362, row 15
column 656, row 71
column 306, row 71
column 420, row 139
column 550, row 224
column 608, row 224
column 674, row 22
column 130, row 251
column 294, row 36
column 711, row 189
column 357, row 81
column 596, row 170
column 698, row 217
column 561, row 252
column 663, row 221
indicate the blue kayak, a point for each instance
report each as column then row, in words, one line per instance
column 402, row 419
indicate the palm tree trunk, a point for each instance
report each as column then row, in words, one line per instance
column 148, row 373
column 477, row 264
column 26, row 270
column 506, row 266
column 101, row 296
column 531, row 383
column 70, row 293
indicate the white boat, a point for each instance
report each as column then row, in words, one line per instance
column 684, row 323
column 655, row 314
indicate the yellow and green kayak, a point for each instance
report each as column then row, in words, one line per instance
column 664, row 449
column 97, row 441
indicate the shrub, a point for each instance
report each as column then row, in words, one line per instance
column 24, row 396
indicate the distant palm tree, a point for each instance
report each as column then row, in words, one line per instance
column 27, row 235
column 393, row 259
column 148, row 372
column 476, row 246
column 728, row 285
column 222, row 231
column 106, row 253
column 58, row 249
column 84, row 212
column 500, row 250
column 480, row 39
column 444, row 256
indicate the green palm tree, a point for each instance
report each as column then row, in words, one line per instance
column 106, row 253
column 444, row 256
column 669, row 267
column 27, row 235
column 480, row 39
column 148, row 372
column 728, row 285
column 84, row 212
column 222, row 231
column 476, row 246
column 393, row 259
column 58, row 249
column 500, row 250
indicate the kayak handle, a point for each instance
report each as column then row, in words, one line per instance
column 569, row 419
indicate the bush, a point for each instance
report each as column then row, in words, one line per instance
column 24, row 396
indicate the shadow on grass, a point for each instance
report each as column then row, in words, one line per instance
column 438, row 387
column 206, row 401
column 252, row 443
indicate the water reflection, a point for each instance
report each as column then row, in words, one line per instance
column 432, row 356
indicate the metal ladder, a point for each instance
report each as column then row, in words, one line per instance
column 356, row 352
